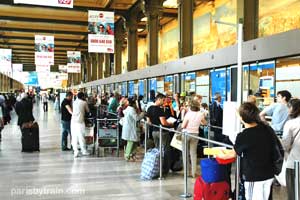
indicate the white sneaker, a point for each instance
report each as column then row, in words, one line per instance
column 86, row 154
column 76, row 155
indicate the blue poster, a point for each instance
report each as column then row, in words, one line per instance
column 218, row 83
column 130, row 89
column 141, row 87
column 153, row 84
column 124, row 89
column 32, row 79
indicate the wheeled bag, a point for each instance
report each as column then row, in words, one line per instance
column 30, row 138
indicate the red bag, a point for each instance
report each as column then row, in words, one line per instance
column 211, row 191
column 225, row 161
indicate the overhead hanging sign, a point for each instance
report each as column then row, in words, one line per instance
column 42, row 68
column 17, row 67
column 74, row 61
column 5, row 60
column 63, row 68
column 101, row 32
column 56, row 3
column 44, row 50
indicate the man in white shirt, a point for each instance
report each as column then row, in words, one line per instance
column 80, row 107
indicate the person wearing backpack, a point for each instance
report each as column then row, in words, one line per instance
column 257, row 146
column 291, row 144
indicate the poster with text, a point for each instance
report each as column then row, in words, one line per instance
column 63, row 68
column 5, row 60
column 42, row 68
column 44, row 50
column 56, row 3
column 74, row 61
column 101, row 32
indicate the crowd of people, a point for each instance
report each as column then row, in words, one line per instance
column 253, row 144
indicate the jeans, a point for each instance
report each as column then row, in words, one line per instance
column 66, row 129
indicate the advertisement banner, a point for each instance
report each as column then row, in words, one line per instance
column 42, row 68
column 5, row 60
column 17, row 67
column 63, row 68
column 101, row 32
column 44, row 50
column 56, row 3
column 74, row 61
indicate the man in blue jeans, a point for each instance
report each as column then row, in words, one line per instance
column 66, row 114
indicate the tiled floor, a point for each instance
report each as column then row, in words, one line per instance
column 52, row 174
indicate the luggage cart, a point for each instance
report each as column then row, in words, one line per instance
column 90, row 134
column 107, row 135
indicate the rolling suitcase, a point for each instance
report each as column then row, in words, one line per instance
column 30, row 138
column 211, row 191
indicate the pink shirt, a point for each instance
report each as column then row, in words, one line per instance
column 192, row 121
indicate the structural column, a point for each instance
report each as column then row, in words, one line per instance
column 185, row 18
column 247, row 13
column 132, row 44
column 88, row 67
column 94, row 66
column 106, row 65
column 153, row 10
column 100, row 60
column 119, row 41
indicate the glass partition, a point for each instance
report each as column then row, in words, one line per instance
column 169, row 84
column 288, row 75
column 160, row 84
column 188, row 83
column 202, row 85
column 218, row 83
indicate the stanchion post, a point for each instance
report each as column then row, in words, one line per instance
column 185, row 194
column 296, row 164
column 146, row 136
column 237, row 177
column 160, row 153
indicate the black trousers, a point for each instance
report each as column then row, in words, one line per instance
column 45, row 106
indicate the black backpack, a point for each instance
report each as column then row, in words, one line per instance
column 277, row 152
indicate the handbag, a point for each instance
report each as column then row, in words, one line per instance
column 176, row 141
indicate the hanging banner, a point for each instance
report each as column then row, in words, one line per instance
column 63, row 68
column 74, row 61
column 17, row 67
column 44, row 50
column 56, row 3
column 63, row 76
column 101, row 32
column 42, row 68
column 5, row 61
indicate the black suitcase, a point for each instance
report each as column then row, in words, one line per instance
column 31, row 139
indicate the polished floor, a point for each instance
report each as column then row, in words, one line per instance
column 53, row 174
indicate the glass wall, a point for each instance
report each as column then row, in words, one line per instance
column 288, row 75
column 202, row 85
column 277, row 16
column 188, row 82
column 218, row 83
column 160, row 84
column 124, row 89
column 260, row 76
column 169, row 84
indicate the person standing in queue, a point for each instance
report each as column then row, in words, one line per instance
column 291, row 144
column 66, row 115
column 255, row 147
column 156, row 116
column 80, row 107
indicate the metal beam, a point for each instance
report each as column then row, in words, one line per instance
column 32, row 38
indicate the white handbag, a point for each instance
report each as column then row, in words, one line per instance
column 176, row 142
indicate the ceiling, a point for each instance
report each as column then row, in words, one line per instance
column 20, row 23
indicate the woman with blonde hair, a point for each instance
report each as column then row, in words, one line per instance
column 191, row 123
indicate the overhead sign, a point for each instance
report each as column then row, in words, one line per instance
column 30, row 78
column 42, row 68
column 74, row 61
column 56, row 3
column 17, row 67
column 44, row 50
column 63, row 68
column 5, row 60
column 101, row 32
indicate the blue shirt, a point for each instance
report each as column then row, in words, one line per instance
column 279, row 113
